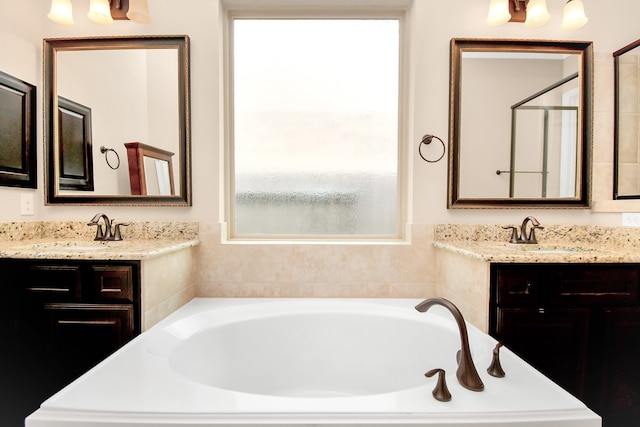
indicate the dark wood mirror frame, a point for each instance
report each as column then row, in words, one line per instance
column 50, row 48
column 618, row 192
column 582, row 48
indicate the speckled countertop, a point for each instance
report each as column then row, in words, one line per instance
column 74, row 240
column 556, row 244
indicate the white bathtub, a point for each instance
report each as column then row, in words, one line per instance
column 294, row 362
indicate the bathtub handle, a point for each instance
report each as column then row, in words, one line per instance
column 495, row 369
column 441, row 391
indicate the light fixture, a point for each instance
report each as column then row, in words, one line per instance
column 60, row 12
column 537, row 13
column 574, row 17
column 139, row 11
column 534, row 13
column 102, row 12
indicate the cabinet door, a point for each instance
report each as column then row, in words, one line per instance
column 110, row 283
column 81, row 335
column 619, row 385
column 552, row 341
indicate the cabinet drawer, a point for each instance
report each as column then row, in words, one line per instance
column 517, row 284
column 110, row 283
column 593, row 285
column 52, row 282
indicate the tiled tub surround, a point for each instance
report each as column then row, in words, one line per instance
column 166, row 251
column 464, row 253
column 316, row 270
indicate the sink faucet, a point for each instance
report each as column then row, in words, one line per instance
column 524, row 238
column 111, row 231
column 467, row 374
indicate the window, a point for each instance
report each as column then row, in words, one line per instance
column 315, row 125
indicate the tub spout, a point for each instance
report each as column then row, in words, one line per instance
column 467, row 374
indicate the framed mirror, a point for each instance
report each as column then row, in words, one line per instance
column 136, row 88
column 626, row 143
column 520, row 120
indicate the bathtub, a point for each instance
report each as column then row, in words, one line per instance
column 295, row 362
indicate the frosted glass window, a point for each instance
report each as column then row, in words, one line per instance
column 315, row 127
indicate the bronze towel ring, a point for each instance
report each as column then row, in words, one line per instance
column 427, row 140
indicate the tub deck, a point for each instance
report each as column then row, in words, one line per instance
column 141, row 385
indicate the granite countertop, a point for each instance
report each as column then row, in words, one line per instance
column 492, row 251
column 74, row 240
column 556, row 244
column 91, row 250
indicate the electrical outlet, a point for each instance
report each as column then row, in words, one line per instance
column 631, row 219
column 26, row 203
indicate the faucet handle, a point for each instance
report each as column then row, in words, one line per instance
column 514, row 233
column 495, row 368
column 99, row 231
column 441, row 391
column 116, row 230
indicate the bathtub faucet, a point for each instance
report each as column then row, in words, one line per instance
column 467, row 374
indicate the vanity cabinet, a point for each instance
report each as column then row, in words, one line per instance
column 579, row 324
column 72, row 314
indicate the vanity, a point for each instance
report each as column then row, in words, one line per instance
column 569, row 306
column 70, row 301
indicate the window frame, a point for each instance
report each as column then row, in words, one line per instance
column 303, row 9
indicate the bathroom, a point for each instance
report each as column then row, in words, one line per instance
column 405, row 268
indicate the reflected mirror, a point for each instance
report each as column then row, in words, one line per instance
column 520, row 123
column 109, row 92
column 626, row 165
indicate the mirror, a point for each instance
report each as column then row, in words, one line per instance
column 520, row 123
column 626, row 143
column 108, row 92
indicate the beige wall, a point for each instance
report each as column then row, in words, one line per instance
column 295, row 270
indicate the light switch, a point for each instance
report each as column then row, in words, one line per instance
column 26, row 203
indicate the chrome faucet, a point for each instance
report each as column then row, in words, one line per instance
column 111, row 230
column 467, row 374
column 523, row 237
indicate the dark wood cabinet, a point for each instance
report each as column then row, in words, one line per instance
column 579, row 324
column 61, row 318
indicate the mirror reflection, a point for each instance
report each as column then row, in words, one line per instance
column 136, row 90
column 627, row 138
column 520, row 113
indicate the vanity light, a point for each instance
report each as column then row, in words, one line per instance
column 574, row 16
column 139, row 11
column 60, row 12
column 102, row 12
column 534, row 13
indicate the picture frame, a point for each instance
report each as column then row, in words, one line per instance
column 75, row 154
column 17, row 133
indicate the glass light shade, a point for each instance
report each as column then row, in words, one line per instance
column 498, row 12
column 537, row 13
column 100, row 12
column 139, row 11
column 574, row 17
column 61, row 12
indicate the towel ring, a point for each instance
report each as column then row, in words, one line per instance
column 427, row 140
column 105, row 151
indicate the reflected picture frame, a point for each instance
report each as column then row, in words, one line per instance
column 17, row 133
column 75, row 155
